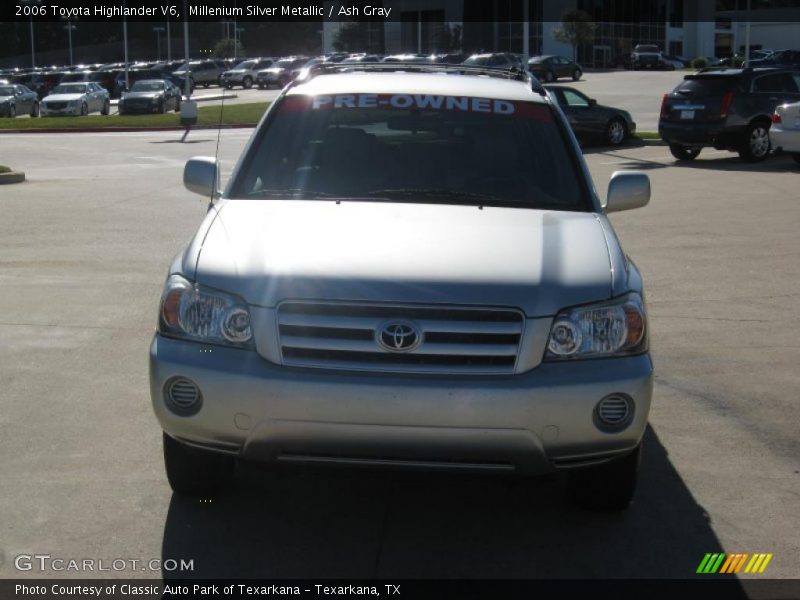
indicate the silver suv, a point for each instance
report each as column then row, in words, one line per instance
column 409, row 267
column 244, row 74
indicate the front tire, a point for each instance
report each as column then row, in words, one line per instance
column 12, row 111
column 84, row 109
column 35, row 110
column 684, row 152
column 106, row 108
column 195, row 472
column 616, row 132
column 161, row 108
column 609, row 486
column 549, row 77
column 576, row 74
column 755, row 146
column 247, row 83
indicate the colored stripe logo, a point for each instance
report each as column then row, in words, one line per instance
column 733, row 563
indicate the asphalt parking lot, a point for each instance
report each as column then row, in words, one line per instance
column 85, row 246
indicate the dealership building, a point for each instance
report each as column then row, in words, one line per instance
column 685, row 28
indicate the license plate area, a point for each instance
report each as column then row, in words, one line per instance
column 687, row 115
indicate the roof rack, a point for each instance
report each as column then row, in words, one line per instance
column 419, row 67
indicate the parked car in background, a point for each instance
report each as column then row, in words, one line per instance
column 76, row 99
column 548, row 68
column 40, row 82
column 729, row 109
column 779, row 58
column 785, row 131
column 16, row 99
column 495, row 60
column 138, row 74
column 592, row 121
column 646, row 56
column 279, row 73
column 675, row 62
column 150, row 96
column 245, row 73
column 202, row 72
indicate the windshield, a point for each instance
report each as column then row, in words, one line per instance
column 147, row 86
column 646, row 49
column 478, row 61
column 6, row 90
column 284, row 63
column 403, row 147
column 73, row 88
column 245, row 65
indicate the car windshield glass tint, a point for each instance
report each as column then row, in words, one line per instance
column 701, row 87
column 647, row 48
column 147, row 86
column 412, row 147
column 246, row 65
column 70, row 89
column 477, row 61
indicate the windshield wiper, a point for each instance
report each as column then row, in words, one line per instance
column 296, row 193
column 432, row 193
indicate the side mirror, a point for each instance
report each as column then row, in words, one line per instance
column 592, row 102
column 627, row 190
column 201, row 176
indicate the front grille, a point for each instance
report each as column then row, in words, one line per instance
column 450, row 339
column 57, row 105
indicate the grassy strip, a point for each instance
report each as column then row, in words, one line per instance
column 5, row 169
column 233, row 114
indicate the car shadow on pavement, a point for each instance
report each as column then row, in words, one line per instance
column 309, row 523
column 776, row 163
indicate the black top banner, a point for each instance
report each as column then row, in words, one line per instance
column 616, row 11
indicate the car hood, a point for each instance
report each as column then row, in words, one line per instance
column 132, row 95
column 232, row 71
column 273, row 70
column 6, row 98
column 267, row 251
column 63, row 97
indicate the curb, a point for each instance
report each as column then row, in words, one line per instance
column 125, row 129
column 12, row 177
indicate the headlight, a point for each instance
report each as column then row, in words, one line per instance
column 201, row 314
column 614, row 328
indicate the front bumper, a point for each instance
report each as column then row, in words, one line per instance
column 51, row 112
column 530, row 423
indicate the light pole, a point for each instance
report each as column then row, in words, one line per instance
column 69, row 27
column 33, row 48
column 236, row 38
column 169, row 42
column 159, row 31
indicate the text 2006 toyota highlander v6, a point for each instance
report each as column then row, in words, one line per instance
column 410, row 266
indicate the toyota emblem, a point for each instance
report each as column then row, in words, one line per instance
column 398, row 336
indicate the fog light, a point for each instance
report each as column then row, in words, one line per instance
column 615, row 411
column 182, row 396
